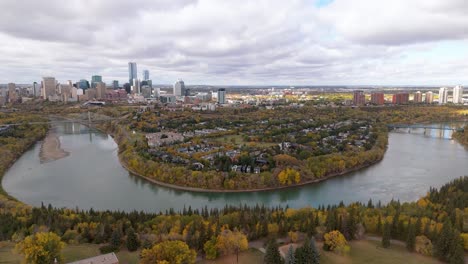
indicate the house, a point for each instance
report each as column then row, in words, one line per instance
column 110, row 258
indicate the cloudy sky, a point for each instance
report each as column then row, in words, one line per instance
column 241, row 42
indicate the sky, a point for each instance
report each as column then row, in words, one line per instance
column 237, row 42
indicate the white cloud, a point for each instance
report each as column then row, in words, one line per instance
column 232, row 42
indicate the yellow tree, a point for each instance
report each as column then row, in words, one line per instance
column 230, row 242
column 175, row 252
column 335, row 241
column 41, row 248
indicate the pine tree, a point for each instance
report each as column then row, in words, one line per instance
column 418, row 227
column 132, row 240
column 290, row 257
column 115, row 238
column 315, row 255
column 379, row 225
column 411, row 237
column 442, row 245
column 386, row 235
column 272, row 255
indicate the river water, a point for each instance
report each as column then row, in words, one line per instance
column 91, row 176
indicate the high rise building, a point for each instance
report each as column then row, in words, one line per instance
column 115, row 84
column 100, row 90
column 83, row 84
column 358, row 97
column 146, row 75
column 95, row 79
column 429, row 97
column 12, row 93
column 136, row 86
column 417, row 97
column 49, row 85
column 132, row 71
column 458, row 94
column 377, row 98
column 443, row 95
column 179, row 88
column 221, row 96
column 400, row 98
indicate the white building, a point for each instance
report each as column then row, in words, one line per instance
column 179, row 88
column 458, row 94
column 443, row 95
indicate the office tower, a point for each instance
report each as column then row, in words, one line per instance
column 358, row 97
column 136, row 86
column 429, row 97
column 83, row 84
column 417, row 97
column 132, row 71
column 145, row 75
column 377, row 98
column 95, row 79
column 100, row 90
column 221, row 96
column 12, row 93
column 48, row 87
column 458, row 94
column 115, row 84
column 146, row 91
column 400, row 98
column 179, row 88
column 443, row 95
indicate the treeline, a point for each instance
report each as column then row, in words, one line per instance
column 434, row 222
column 462, row 136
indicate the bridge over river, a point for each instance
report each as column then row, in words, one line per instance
column 423, row 126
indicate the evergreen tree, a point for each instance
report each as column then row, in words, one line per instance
column 418, row 227
column 394, row 227
column 116, row 238
column 443, row 242
column 315, row 255
column 272, row 255
column 411, row 237
column 132, row 240
column 379, row 225
column 290, row 257
column 386, row 235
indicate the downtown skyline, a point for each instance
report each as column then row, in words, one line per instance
column 260, row 43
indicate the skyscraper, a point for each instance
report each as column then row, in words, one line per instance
column 221, row 96
column 95, row 79
column 458, row 94
column 443, row 95
column 179, row 88
column 146, row 75
column 417, row 97
column 12, row 92
column 115, row 84
column 429, row 97
column 100, row 90
column 358, row 97
column 132, row 71
column 48, row 87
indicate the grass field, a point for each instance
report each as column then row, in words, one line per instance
column 70, row 253
column 251, row 256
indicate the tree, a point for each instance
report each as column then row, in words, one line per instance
column 176, row 252
column 290, row 257
column 335, row 241
column 456, row 254
column 315, row 255
column 211, row 251
column 116, row 238
column 41, row 248
column 443, row 242
column 272, row 255
column 386, row 235
column 423, row 245
column 411, row 237
column 230, row 242
column 132, row 240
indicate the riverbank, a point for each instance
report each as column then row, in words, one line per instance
column 51, row 149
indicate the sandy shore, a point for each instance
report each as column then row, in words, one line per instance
column 51, row 150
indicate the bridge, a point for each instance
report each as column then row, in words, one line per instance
column 407, row 126
column 62, row 120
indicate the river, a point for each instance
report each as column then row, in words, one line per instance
column 92, row 177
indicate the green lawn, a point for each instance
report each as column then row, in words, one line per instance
column 363, row 252
column 69, row 253
column 251, row 256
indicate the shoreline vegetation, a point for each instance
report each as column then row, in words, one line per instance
column 51, row 148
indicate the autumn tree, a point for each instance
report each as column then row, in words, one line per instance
column 41, row 248
column 289, row 176
column 335, row 241
column 174, row 252
column 211, row 251
column 230, row 242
